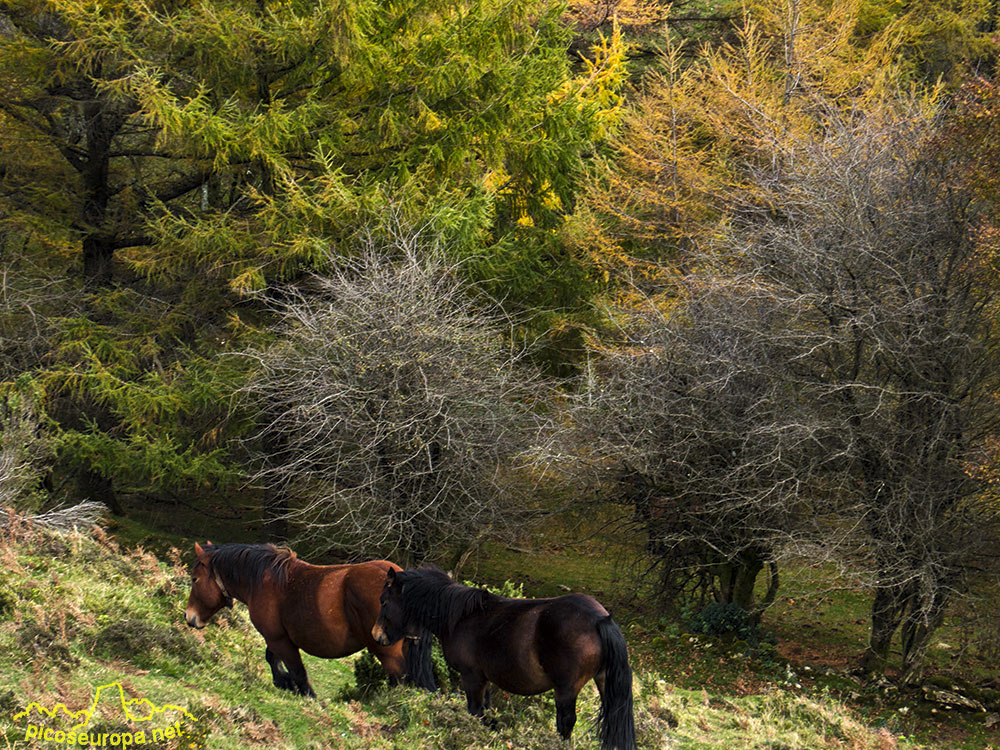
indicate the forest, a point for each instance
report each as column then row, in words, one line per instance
column 704, row 293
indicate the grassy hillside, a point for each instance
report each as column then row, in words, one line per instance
column 79, row 613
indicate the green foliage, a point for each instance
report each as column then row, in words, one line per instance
column 139, row 405
column 369, row 678
column 939, row 39
column 179, row 157
column 726, row 619
column 307, row 117
column 508, row 588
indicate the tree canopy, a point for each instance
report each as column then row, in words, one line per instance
column 175, row 158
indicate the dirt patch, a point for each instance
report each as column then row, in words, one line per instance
column 364, row 725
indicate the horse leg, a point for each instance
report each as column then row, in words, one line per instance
column 599, row 681
column 281, row 679
column 477, row 695
column 297, row 681
column 565, row 711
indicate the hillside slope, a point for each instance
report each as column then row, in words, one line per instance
column 92, row 642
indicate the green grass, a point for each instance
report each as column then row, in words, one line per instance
column 819, row 626
column 78, row 612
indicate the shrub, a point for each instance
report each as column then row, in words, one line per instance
column 726, row 619
column 146, row 643
column 369, row 678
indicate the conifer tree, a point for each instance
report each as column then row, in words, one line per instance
column 183, row 156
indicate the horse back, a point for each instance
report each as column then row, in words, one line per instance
column 360, row 590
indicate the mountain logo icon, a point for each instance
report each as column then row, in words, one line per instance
column 133, row 709
column 124, row 709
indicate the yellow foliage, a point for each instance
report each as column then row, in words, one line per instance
column 600, row 86
column 635, row 15
column 251, row 280
column 687, row 148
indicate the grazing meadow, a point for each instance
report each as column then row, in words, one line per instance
column 82, row 611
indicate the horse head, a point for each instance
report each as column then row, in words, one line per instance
column 208, row 594
column 392, row 623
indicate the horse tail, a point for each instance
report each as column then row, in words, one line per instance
column 419, row 666
column 615, row 723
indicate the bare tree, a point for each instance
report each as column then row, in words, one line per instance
column 696, row 430
column 394, row 408
column 899, row 350
column 829, row 379
column 83, row 515
column 33, row 297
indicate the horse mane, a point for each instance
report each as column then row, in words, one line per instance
column 245, row 565
column 432, row 600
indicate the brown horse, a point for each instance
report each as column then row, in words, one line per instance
column 325, row 610
column 524, row 646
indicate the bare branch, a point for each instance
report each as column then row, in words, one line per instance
column 395, row 409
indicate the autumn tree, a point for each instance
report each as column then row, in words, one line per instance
column 939, row 41
column 824, row 385
column 705, row 113
column 796, row 142
column 186, row 155
column 901, row 353
column 100, row 164
column 690, row 158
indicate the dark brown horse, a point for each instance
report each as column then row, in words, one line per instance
column 524, row 646
column 325, row 610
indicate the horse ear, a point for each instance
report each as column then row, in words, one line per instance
column 200, row 552
column 390, row 577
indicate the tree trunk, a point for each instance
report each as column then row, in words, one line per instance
column 916, row 631
column 101, row 123
column 738, row 578
column 769, row 596
column 747, row 570
column 886, row 614
column 99, row 488
column 97, row 256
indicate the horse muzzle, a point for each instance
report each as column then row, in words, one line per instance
column 379, row 635
column 193, row 620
